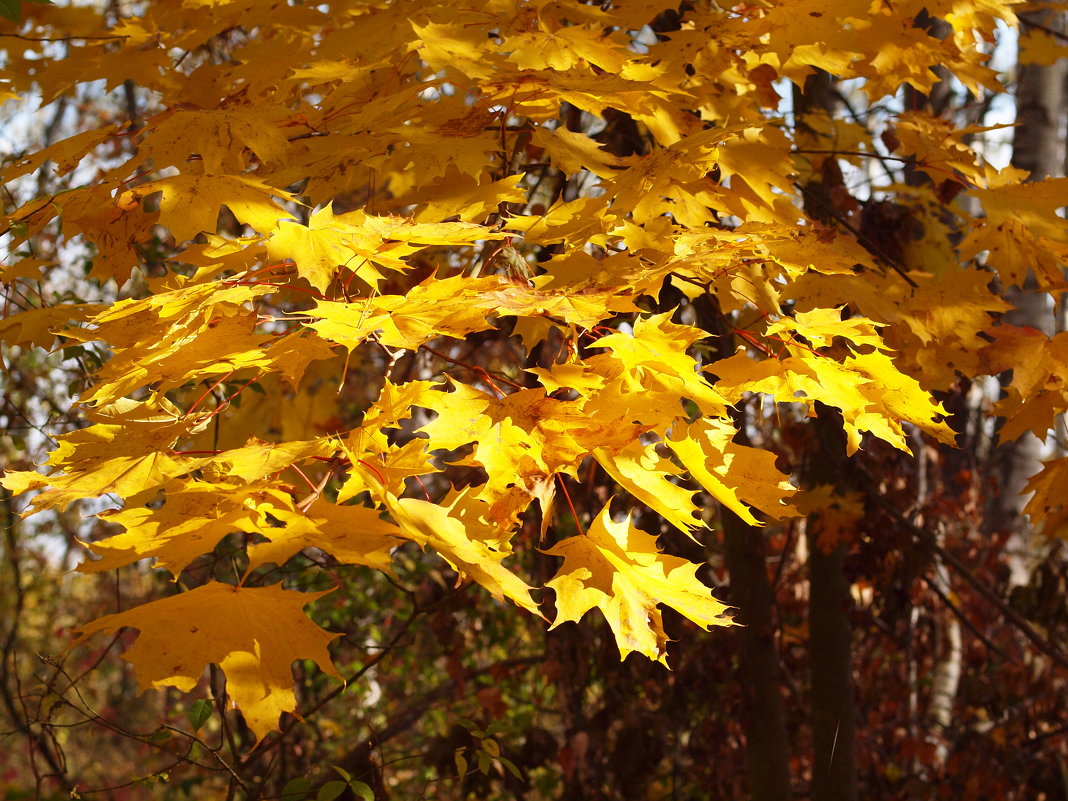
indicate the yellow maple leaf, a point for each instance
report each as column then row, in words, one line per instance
column 1038, row 391
column 194, row 517
column 331, row 241
column 39, row 327
column 574, row 152
column 67, row 153
column 617, row 568
column 213, row 135
column 122, row 475
column 1014, row 250
column 821, row 326
column 463, row 48
column 833, row 515
column 583, row 310
column 29, row 267
column 938, row 147
column 90, row 462
column 565, row 49
column 1035, row 204
column 735, row 475
column 257, row 459
column 253, row 633
column 642, row 472
column 871, row 392
column 195, row 348
column 1048, row 507
column 430, row 524
column 437, row 307
column 1041, row 47
column 657, row 350
column 353, row 535
column 190, row 203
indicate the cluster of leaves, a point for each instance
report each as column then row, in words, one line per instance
column 439, row 262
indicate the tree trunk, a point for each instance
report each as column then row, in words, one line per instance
column 767, row 754
column 834, row 766
column 1038, row 140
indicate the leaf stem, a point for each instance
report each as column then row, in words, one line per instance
column 567, row 496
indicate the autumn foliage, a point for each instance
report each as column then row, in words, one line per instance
column 411, row 275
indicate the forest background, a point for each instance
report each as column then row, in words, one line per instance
column 389, row 370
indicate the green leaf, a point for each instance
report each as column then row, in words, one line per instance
column 471, row 726
column 461, row 764
column 199, row 713
column 511, row 768
column 344, row 774
column 331, row 790
column 362, row 790
column 491, row 747
column 296, row 789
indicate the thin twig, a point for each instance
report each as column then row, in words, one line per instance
column 62, row 38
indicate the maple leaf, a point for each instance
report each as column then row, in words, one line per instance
column 833, row 515
column 196, row 347
column 1022, row 223
column 618, row 569
column 88, row 463
column 820, row 326
column 359, row 241
column 353, row 535
column 190, row 203
column 735, row 475
column 437, row 307
column 646, row 475
column 213, row 134
column 253, row 633
column 39, row 327
column 1041, row 47
column 1038, row 391
column 1047, row 507
column 433, row 525
column 564, row 49
column 194, row 517
column 525, row 434
column 657, row 350
column 257, row 458
column 321, row 247
column 66, row 152
column 872, row 395
column 574, row 151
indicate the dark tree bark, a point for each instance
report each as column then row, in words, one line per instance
column 834, row 753
column 1038, row 140
column 767, row 754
